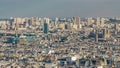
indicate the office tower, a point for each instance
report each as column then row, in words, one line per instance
column 22, row 24
column 17, row 21
column 106, row 33
column 37, row 21
column 98, row 21
column 32, row 21
column 26, row 22
column 56, row 20
column 90, row 20
column 45, row 28
column 3, row 24
column 10, row 23
column 96, row 35
column 102, row 22
column 77, row 21
column 116, row 26
column 42, row 21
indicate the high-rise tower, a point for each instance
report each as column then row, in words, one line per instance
column 102, row 22
column 45, row 28
column 96, row 35
column 106, row 33
column 77, row 21
column 98, row 21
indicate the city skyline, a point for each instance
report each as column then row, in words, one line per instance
column 60, row 42
column 59, row 8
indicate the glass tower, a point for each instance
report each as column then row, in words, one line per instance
column 45, row 28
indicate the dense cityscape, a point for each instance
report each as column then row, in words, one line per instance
column 71, row 42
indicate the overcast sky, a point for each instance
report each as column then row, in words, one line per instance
column 59, row 8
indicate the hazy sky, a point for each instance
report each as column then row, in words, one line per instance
column 59, row 8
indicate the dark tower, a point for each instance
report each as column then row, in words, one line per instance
column 46, row 28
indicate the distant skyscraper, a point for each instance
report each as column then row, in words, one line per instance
column 106, row 33
column 4, row 24
column 96, row 36
column 116, row 26
column 16, row 22
column 32, row 21
column 56, row 20
column 26, row 22
column 37, row 21
column 90, row 20
column 98, row 21
column 77, row 21
column 45, row 28
column 102, row 22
